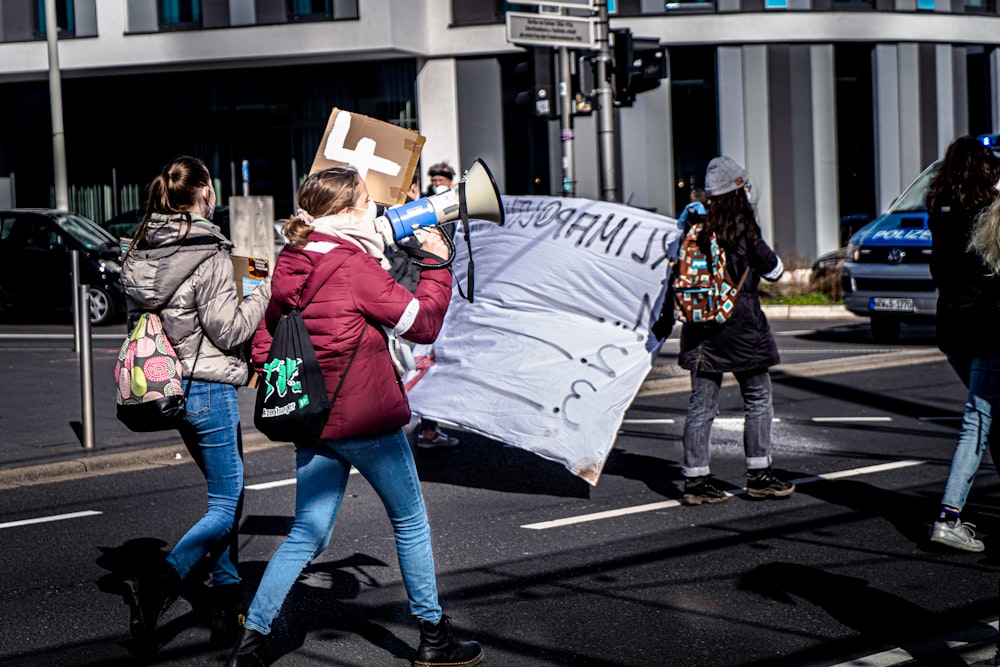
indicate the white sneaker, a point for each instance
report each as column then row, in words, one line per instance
column 960, row 536
column 440, row 439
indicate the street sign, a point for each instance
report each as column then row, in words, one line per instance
column 570, row 31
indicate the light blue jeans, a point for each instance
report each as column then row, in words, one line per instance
column 981, row 375
column 212, row 436
column 321, row 473
column 758, row 413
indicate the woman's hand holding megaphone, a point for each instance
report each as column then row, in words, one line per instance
column 433, row 243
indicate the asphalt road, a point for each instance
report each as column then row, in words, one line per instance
column 542, row 568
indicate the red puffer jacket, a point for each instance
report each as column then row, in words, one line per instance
column 359, row 295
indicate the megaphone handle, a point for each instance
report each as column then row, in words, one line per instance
column 443, row 263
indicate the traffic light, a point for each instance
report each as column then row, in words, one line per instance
column 639, row 64
column 536, row 82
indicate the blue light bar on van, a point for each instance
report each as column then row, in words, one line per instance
column 989, row 140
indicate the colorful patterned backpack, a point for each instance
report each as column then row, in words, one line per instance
column 148, row 378
column 702, row 290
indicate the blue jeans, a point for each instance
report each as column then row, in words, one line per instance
column 212, row 436
column 981, row 375
column 321, row 472
column 758, row 413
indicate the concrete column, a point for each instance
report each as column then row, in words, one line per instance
column 480, row 114
column 729, row 75
column 647, row 168
column 995, row 89
column 437, row 113
column 945, row 93
column 825, row 165
column 757, row 133
column 910, row 115
column 888, row 181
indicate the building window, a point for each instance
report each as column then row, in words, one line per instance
column 980, row 6
column 180, row 14
column 688, row 4
column 64, row 16
column 310, row 10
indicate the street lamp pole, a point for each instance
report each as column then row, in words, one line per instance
column 55, row 96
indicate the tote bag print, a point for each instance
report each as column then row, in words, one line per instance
column 148, row 373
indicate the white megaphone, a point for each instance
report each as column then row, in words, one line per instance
column 477, row 191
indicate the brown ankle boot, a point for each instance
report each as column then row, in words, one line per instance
column 439, row 647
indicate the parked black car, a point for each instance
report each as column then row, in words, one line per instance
column 36, row 265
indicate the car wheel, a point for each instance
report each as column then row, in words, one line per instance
column 885, row 329
column 101, row 306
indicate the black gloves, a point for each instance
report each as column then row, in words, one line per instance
column 663, row 326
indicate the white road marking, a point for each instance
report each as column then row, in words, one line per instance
column 652, row 507
column 43, row 336
column 851, row 419
column 280, row 482
column 48, row 519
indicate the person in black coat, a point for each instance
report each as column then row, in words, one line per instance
column 968, row 317
column 743, row 345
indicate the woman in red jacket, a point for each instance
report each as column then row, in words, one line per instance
column 335, row 225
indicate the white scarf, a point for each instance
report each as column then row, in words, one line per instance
column 355, row 230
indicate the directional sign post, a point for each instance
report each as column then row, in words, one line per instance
column 548, row 30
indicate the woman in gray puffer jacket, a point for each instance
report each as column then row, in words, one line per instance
column 179, row 265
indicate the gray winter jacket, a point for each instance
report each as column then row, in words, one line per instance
column 191, row 281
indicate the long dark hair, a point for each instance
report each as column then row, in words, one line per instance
column 730, row 216
column 174, row 192
column 966, row 177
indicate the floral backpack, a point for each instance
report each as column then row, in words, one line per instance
column 148, row 378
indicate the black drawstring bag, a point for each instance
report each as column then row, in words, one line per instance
column 292, row 404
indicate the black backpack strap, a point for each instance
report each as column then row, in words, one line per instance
column 333, row 399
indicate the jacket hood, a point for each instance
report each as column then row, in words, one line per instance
column 153, row 273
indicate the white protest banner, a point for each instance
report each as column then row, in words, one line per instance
column 556, row 343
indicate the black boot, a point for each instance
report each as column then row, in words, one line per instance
column 230, row 613
column 148, row 596
column 438, row 647
column 250, row 650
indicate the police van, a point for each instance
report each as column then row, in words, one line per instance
column 887, row 274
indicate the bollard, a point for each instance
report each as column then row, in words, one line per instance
column 86, row 367
column 74, row 256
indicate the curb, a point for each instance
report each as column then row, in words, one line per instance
column 94, row 465
column 781, row 312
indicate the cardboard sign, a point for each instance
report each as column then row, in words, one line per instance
column 384, row 154
column 250, row 271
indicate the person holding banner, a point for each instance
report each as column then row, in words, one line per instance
column 345, row 320
column 743, row 345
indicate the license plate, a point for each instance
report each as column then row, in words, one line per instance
column 886, row 303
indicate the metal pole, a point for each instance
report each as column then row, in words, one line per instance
column 295, row 186
column 566, row 120
column 55, row 97
column 114, row 192
column 607, row 144
column 74, row 258
column 86, row 371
